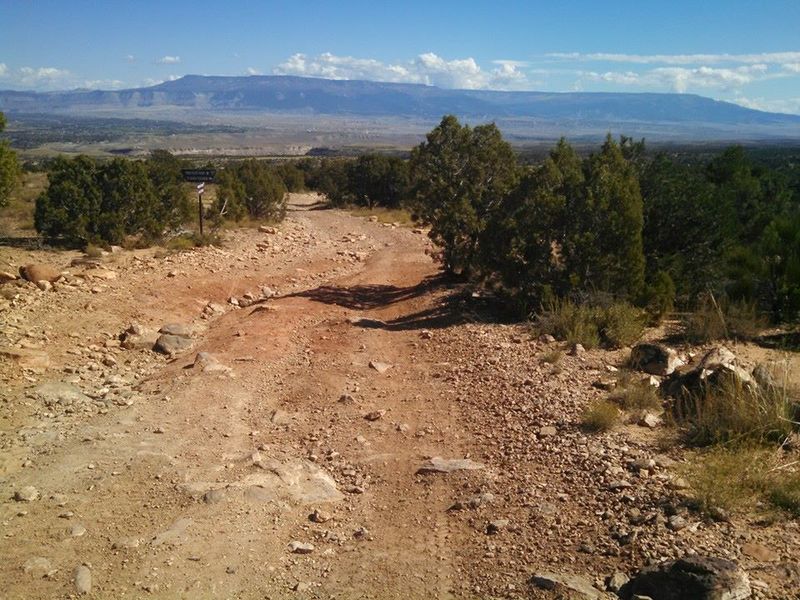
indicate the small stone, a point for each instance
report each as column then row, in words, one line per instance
column 616, row 581
column 26, row 494
column 380, row 367
column 319, row 516
column 546, row 338
column 83, row 580
column 577, row 350
column 496, row 526
column 77, row 530
column 650, row 420
column 677, row 522
column 547, row 431
column 448, row 465
column 374, row 415
column 300, row 547
column 37, row 566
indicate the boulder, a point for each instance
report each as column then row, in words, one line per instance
column 718, row 366
column 178, row 329
column 655, row 359
column 690, row 578
column 172, row 344
column 208, row 363
column 39, row 272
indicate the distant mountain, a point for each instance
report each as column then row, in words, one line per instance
column 682, row 115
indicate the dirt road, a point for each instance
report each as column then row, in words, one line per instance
column 287, row 463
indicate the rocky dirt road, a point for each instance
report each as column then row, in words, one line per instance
column 338, row 424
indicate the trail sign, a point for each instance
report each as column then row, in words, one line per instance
column 201, row 187
column 199, row 175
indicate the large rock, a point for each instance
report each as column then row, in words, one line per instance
column 172, row 344
column 179, row 329
column 691, row 578
column 208, row 363
column 59, row 393
column 447, row 465
column 717, row 367
column 39, row 272
column 655, row 359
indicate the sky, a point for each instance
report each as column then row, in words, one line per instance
column 743, row 51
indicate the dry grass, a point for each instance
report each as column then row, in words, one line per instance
column 18, row 215
column 723, row 319
column 745, row 479
column 731, row 410
column 634, row 394
column 600, row 416
column 398, row 216
column 615, row 325
column 553, row 357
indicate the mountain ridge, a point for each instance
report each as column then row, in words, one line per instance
column 286, row 94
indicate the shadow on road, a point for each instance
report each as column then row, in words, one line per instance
column 454, row 308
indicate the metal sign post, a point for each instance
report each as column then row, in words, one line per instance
column 200, row 177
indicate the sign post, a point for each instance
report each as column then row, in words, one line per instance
column 200, row 177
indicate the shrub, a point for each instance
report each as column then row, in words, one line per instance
column 553, row 357
column 93, row 251
column 600, row 416
column 715, row 320
column 732, row 410
column 634, row 395
column 180, row 243
column 618, row 324
column 744, row 478
column 659, row 297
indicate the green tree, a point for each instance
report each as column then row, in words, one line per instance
column 375, row 179
column 129, row 205
column 9, row 167
column 605, row 252
column 460, row 176
column 253, row 188
column 175, row 205
column 525, row 240
column 70, row 207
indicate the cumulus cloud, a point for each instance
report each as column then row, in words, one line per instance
column 30, row 76
column 103, row 84
column 168, row 60
column 680, row 59
column 427, row 69
column 253, row 71
column 791, row 67
column 3, row 70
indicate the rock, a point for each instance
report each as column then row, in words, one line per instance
column 677, row 522
column 380, row 367
column 177, row 329
column 574, row 585
column 607, row 385
column 547, row 431
column 690, row 578
column 655, row 359
column 546, row 338
column 214, row 496
column 292, row 481
column 39, row 272
column 83, row 580
column 64, row 394
column 374, row 415
column 26, row 358
column 426, row 334
column 650, row 420
column 77, row 530
column 616, row 581
column 267, row 229
column 577, row 350
column 26, row 494
column 5, row 277
column 496, row 526
column 759, row 552
column 212, row 309
column 717, row 367
column 319, row 516
column 447, row 465
column 300, row 548
column 38, row 566
column 208, row 363
column 718, row 357
column 172, row 344
column 44, row 285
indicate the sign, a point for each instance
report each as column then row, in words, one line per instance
column 199, row 175
column 201, row 187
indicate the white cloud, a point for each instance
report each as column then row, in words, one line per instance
column 103, row 84
column 253, row 71
column 783, row 105
column 168, row 60
column 130, row 58
column 681, row 79
column 427, row 68
column 791, row 67
column 41, row 76
column 680, row 59
column 3, row 70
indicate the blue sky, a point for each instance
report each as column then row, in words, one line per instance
column 738, row 50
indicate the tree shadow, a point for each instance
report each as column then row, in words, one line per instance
column 788, row 341
column 369, row 296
